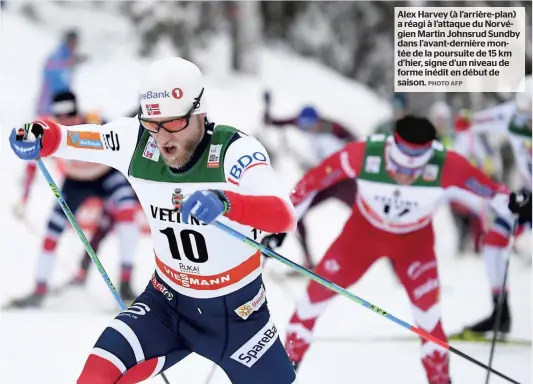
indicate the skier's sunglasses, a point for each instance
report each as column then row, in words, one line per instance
column 397, row 168
column 173, row 125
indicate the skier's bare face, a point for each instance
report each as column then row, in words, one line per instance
column 177, row 148
column 401, row 174
column 403, row 179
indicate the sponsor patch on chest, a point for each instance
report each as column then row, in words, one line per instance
column 430, row 172
column 372, row 164
column 213, row 160
column 151, row 151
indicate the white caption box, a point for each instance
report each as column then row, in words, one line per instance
column 469, row 49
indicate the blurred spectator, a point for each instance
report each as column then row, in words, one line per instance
column 470, row 224
column 58, row 71
column 440, row 114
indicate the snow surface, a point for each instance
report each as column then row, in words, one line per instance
column 51, row 345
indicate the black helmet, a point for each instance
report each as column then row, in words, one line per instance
column 64, row 103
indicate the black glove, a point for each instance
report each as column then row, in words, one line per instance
column 36, row 128
column 520, row 204
column 273, row 241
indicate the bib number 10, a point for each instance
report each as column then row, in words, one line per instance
column 193, row 243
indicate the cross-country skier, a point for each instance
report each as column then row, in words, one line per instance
column 440, row 115
column 326, row 137
column 82, row 181
column 58, row 71
column 514, row 119
column 471, row 222
column 401, row 180
column 206, row 294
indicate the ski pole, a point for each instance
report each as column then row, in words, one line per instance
column 341, row 291
column 501, row 298
column 70, row 216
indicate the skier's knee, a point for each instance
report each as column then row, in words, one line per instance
column 142, row 371
column 99, row 370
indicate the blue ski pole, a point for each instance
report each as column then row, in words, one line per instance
column 92, row 254
column 70, row 216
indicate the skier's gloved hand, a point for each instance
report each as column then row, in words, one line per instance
column 520, row 204
column 26, row 142
column 273, row 241
column 206, row 206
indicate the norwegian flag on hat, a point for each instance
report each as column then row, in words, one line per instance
column 152, row 109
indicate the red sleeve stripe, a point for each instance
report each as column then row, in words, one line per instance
column 266, row 213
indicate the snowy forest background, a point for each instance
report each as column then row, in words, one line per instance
column 355, row 38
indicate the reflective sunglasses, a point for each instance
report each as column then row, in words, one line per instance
column 397, row 168
column 172, row 125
